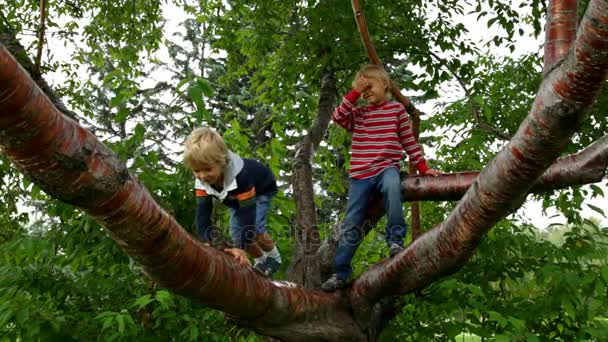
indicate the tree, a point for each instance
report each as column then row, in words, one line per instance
column 100, row 184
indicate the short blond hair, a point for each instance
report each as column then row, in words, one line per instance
column 375, row 71
column 205, row 147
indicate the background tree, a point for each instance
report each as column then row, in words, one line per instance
column 281, row 68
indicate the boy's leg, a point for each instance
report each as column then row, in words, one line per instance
column 262, row 205
column 351, row 233
column 390, row 186
column 272, row 257
column 235, row 233
column 263, row 239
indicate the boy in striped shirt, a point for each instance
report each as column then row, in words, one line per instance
column 245, row 186
column 380, row 133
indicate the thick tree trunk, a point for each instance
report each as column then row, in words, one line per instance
column 69, row 163
column 304, row 268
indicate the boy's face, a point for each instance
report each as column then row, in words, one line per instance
column 375, row 93
column 210, row 174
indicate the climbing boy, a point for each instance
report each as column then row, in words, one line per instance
column 245, row 186
column 380, row 133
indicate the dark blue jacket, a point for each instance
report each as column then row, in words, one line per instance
column 244, row 179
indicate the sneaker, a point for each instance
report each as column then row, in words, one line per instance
column 267, row 267
column 333, row 283
column 394, row 249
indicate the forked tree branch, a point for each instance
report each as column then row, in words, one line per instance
column 561, row 104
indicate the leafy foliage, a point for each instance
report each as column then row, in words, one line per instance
column 252, row 70
column 520, row 285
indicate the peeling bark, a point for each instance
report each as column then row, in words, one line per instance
column 72, row 165
column 585, row 167
column 560, row 31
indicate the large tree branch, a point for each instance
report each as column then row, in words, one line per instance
column 585, row 167
column 560, row 31
column 71, row 164
column 558, row 110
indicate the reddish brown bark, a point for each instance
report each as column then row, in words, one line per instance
column 36, row 72
column 8, row 39
column 69, row 163
column 585, row 167
column 559, row 31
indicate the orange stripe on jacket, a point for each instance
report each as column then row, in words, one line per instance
column 246, row 195
column 200, row 193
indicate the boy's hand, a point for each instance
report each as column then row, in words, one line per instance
column 431, row 172
column 239, row 255
column 361, row 84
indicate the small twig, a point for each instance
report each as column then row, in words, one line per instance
column 36, row 67
column 474, row 107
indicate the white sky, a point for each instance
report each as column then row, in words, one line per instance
column 448, row 92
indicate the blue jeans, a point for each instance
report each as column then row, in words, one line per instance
column 262, row 204
column 389, row 184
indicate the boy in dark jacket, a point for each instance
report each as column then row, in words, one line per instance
column 244, row 185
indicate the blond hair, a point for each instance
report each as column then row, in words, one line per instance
column 375, row 71
column 205, row 147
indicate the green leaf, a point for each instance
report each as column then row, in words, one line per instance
column 596, row 209
column 121, row 323
column 492, row 21
column 139, row 130
column 503, row 338
column 194, row 333
column 164, row 298
column 205, row 86
column 597, row 190
column 142, row 302
column 497, row 317
column 182, row 83
column 122, row 115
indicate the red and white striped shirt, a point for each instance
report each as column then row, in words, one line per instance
column 380, row 135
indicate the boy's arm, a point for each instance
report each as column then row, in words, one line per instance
column 204, row 207
column 409, row 143
column 344, row 113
